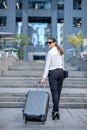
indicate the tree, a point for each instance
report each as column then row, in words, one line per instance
column 75, row 39
column 21, row 40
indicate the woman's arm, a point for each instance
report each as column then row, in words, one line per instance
column 47, row 65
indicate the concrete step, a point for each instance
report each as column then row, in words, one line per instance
column 32, row 79
column 35, row 68
column 76, row 95
column 26, row 85
column 32, row 62
column 27, row 73
column 62, row 105
column 66, row 92
column 70, row 98
column 33, row 82
column 35, row 65
column 79, row 74
column 23, row 99
column 24, row 76
column 38, row 73
column 27, row 66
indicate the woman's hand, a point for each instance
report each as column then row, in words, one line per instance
column 42, row 80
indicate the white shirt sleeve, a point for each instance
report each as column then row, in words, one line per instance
column 47, row 65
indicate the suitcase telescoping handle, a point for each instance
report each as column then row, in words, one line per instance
column 44, row 86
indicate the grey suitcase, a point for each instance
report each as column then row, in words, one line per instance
column 36, row 106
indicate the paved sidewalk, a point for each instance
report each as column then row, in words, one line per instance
column 71, row 119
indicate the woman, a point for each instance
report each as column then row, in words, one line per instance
column 54, row 70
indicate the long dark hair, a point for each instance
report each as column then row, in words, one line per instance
column 57, row 46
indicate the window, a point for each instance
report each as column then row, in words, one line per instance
column 60, row 32
column 19, row 25
column 2, row 21
column 3, row 4
column 77, row 22
column 39, row 29
column 77, row 4
column 60, row 4
column 18, row 4
column 41, row 4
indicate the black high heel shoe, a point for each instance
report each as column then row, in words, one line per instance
column 56, row 115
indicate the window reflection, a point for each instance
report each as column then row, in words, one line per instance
column 77, row 22
column 3, row 4
column 77, row 4
column 60, row 4
column 60, row 32
column 19, row 25
column 41, row 4
column 3, row 20
column 18, row 4
column 39, row 33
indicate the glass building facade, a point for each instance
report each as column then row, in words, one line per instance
column 40, row 19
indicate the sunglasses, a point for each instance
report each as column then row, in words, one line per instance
column 49, row 42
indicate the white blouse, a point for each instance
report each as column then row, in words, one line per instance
column 53, row 61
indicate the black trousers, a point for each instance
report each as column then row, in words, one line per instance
column 56, row 78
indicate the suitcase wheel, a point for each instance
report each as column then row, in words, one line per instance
column 43, row 119
column 25, row 121
column 43, row 122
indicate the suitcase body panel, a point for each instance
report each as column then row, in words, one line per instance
column 36, row 106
